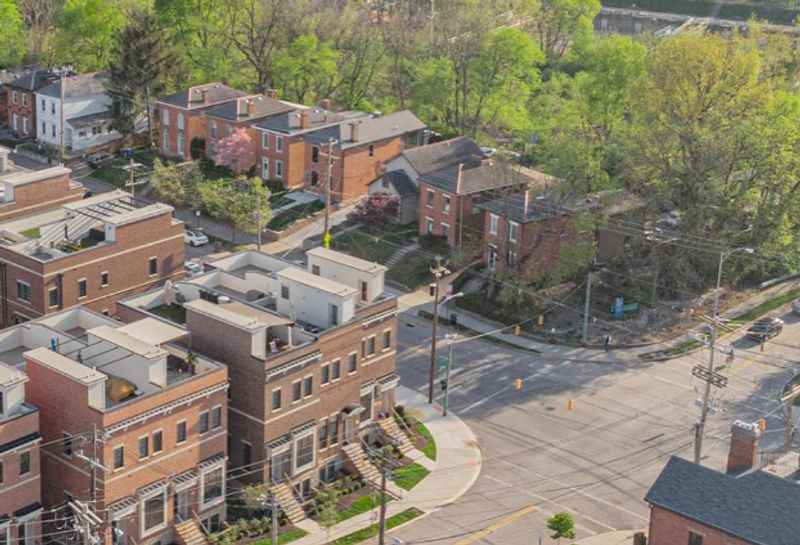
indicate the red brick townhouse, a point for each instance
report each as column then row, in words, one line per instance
column 181, row 116
column 294, row 148
column 20, row 100
column 311, row 357
column 29, row 191
column 528, row 229
column 88, row 252
column 695, row 505
column 448, row 197
column 20, row 479
column 159, row 413
column 224, row 119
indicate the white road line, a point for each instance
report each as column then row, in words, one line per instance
column 559, row 505
column 574, row 489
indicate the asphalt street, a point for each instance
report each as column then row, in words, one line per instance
column 598, row 459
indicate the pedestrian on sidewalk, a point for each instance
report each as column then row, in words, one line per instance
column 607, row 342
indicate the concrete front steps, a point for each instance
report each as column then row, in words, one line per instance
column 397, row 436
column 355, row 453
column 189, row 533
column 289, row 504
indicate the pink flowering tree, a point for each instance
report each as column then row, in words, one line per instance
column 235, row 151
column 376, row 210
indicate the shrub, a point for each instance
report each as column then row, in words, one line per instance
column 197, row 148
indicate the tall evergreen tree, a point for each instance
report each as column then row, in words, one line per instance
column 138, row 69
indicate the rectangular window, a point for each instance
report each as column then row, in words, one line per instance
column 336, row 369
column 154, row 508
column 323, row 435
column 315, row 154
column 297, row 391
column 44, row 105
column 352, row 363
column 364, row 291
column 53, row 107
column 152, row 266
column 2, row 473
column 276, row 399
column 247, row 454
column 445, row 230
column 14, row 97
column 305, row 451
column 695, row 539
column 333, row 429
column 52, row 297
column 371, row 346
column 265, row 140
column 308, row 386
column 212, row 129
column 429, row 226
column 216, row 417
column 180, row 431
column 279, row 170
column 279, row 143
column 164, row 140
column 158, row 442
column 180, row 121
column 325, row 375
column 21, row 534
column 387, row 339
column 212, row 485
column 82, row 288
column 202, row 422
column 23, row 291
column 315, row 270
column 430, row 198
column 165, row 117
column 44, row 128
column 512, row 231
column 104, row 279
column 446, row 204
column 144, row 447
column 119, row 457
column 333, row 311
column 284, row 292
column 67, row 445
column 371, row 150
column 366, row 402
column 493, row 224
column 265, row 168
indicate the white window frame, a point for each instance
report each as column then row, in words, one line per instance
column 165, row 117
column 149, row 260
column 144, row 532
column 216, row 501
column 339, row 361
column 494, row 219
column 108, row 278
column 146, row 437
column 429, row 225
column 349, row 372
column 299, row 469
column 278, row 169
column 164, row 140
column 446, row 204
column 265, row 168
column 153, row 450
column 185, row 423
column 180, row 121
column 279, row 143
column 513, row 227
column 300, row 399
column 383, row 334
column 430, row 198
column 211, row 418
column 272, row 399
column 323, row 384
column 49, row 291
column 86, row 283
column 264, row 140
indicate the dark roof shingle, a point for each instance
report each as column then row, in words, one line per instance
column 478, row 175
column 249, row 109
column 202, row 96
column 76, row 86
column 756, row 507
column 439, row 155
column 400, row 181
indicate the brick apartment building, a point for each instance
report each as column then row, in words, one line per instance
column 20, row 478
column 293, row 148
column 20, row 100
column 224, row 119
column 449, row 197
column 160, row 419
column 25, row 192
column 311, row 356
column 88, row 252
column 181, row 116
column 695, row 505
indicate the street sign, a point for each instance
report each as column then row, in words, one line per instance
column 713, row 377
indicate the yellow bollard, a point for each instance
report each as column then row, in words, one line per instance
column 518, row 384
column 762, row 424
column 517, row 330
column 570, row 404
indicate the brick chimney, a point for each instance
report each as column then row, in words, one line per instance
column 354, row 131
column 325, row 104
column 305, row 119
column 243, row 107
column 743, row 454
column 526, row 203
column 460, row 177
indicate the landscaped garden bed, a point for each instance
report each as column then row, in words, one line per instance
column 407, row 477
column 372, row 530
column 353, row 497
column 422, row 438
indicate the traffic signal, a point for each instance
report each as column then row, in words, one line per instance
column 518, row 384
column 443, row 384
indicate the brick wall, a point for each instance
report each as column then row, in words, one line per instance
column 24, row 107
column 293, row 157
column 437, row 213
column 19, row 491
column 668, row 528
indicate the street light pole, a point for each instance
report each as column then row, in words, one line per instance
column 451, row 338
column 700, row 427
column 438, row 272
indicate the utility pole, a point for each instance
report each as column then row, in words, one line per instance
column 149, row 116
column 586, row 306
column 326, row 237
column 433, row 14
column 382, row 521
column 709, row 375
column 62, row 83
column 132, row 183
column 85, row 512
column 438, row 272
column 447, row 375
column 274, row 509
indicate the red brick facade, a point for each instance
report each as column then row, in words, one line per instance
column 21, row 111
column 447, row 215
column 41, row 195
column 126, row 263
column 181, row 127
column 20, row 489
column 668, row 528
column 285, row 156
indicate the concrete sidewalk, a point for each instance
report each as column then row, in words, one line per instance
column 455, row 470
column 621, row 537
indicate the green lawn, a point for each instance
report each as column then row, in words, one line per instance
column 364, row 245
column 372, row 530
column 33, row 232
column 284, row 219
column 409, row 476
column 768, row 305
column 286, row 537
column 412, row 271
column 430, row 447
column 361, row 505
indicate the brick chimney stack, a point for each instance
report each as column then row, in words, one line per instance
column 460, row 177
column 305, row 119
column 743, row 454
column 325, row 104
column 526, row 203
column 354, row 131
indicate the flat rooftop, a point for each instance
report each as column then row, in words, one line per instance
column 238, row 314
column 312, row 280
column 347, row 260
column 23, row 177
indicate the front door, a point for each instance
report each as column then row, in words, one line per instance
column 492, row 258
column 348, row 430
column 181, row 505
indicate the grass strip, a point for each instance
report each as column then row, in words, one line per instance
column 409, row 476
column 285, row 537
column 372, row 530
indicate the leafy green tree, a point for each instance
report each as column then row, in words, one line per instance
column 12, row 34
column 140, row 62
column 236, row 201
column 86, row 30
column 559, row 23
column 326, row 502
column 305, row 68
column 562, row 525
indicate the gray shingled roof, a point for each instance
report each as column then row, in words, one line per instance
column 191, row 98
column 33, row 80
column 400, row 181
column 477, row 175
column 76, row 86
column 757, row 507
column 371, row 129
column 289, row 123
column 259, row 107
column 443, row 154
